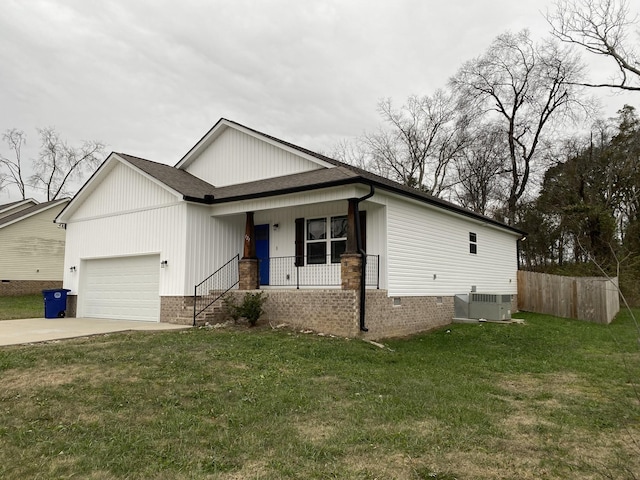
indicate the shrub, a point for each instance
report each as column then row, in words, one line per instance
column 250, row 308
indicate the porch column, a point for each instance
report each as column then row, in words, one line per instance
column 352, row 239
column 248, row 264
column 351, row 260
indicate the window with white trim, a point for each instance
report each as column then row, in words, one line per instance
column 326, row 238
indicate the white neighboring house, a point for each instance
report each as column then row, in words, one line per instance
column 31, row 246
column 141, row 235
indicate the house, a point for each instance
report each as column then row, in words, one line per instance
column 31, row 246
column 338, row 249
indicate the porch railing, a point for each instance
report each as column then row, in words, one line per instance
column 212, row 288
column 283, row 272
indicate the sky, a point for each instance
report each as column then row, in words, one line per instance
column 150, row 78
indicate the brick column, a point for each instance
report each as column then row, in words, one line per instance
column 248, row 273
column 351, row 271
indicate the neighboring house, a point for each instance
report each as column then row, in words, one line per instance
column 141, row 235
column 31, row 246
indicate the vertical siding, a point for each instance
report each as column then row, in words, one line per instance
column 123, row 190
column 160, row 230
column 236, row 157
column 424, row 242
column 33, row 248
column 211, row 242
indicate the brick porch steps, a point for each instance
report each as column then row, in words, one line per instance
column 213, row 314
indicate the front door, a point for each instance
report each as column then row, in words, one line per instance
column 262, row 251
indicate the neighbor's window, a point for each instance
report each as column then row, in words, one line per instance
column 319, row 243
column 473, row 243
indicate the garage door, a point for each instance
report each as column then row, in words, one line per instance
column 124, row 288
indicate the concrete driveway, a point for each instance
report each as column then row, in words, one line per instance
column 16, row 332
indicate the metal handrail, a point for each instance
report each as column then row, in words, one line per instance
column 285, row 272
column 228, row 273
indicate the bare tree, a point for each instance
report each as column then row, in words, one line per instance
column 418, row 144
column 15, row 139
column 602, row 27
column 59, row 164
column 480, row 169
column 524, row 87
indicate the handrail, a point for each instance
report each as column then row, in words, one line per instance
column 228, row 273
column 283, row 272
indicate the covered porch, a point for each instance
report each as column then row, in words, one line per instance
column 302, row 247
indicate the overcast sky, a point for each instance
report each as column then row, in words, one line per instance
column 149, row 78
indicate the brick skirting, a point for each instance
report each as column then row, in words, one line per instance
column 12, row 288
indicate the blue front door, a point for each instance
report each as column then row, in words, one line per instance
column 262, row 251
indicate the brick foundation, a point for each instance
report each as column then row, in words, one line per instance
column 336, row 312
column 410, row 315
column 176, row 310
column 72, row 306
column 12, row 288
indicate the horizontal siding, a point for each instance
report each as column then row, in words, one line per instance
column 123, row 190
column 425, row 242
column 160, row 230
column 236, row 157
column 33, row 248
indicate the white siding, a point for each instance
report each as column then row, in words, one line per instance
column 33, row 248
column 428, row 253
column 290, row 200
column 236, row 157
column 212, row 241
column 153, row 231
column 123, row 190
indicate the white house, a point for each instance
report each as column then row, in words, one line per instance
column 258, row 210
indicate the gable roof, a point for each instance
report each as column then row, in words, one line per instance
column 223, row 124
column 30, row 211
column 12, row 207
column 335, row 173
column 181, row 181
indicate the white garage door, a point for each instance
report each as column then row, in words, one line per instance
column 125, row 288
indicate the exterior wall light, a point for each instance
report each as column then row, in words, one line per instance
column 163, row 264
column 73, row 269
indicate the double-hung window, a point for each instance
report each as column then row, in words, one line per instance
column 326, row 238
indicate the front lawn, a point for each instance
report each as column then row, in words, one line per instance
column 551, row 399
column 24, row 306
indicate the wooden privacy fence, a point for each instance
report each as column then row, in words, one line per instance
column 594, row 299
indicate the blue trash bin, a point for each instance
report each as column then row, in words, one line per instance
column 55, row 302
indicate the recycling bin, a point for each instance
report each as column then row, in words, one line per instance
column 55, row 302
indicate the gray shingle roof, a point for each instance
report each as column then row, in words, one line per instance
column 194, row 189
column 179, row 180
column 29, row 211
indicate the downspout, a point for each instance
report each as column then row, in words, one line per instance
column 363, row 272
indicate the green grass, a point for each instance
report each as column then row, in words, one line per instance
column 550, row 399
column 24, row 306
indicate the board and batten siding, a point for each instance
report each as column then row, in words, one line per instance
column 428, row 253
column 236, row 157
column 211, row 242
column 33, row 248
column 122, row 190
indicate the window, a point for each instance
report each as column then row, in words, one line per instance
column 319, row 243
column 316, row 240
column 473, row 243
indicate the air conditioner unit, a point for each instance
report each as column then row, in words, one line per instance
column 490, row 306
